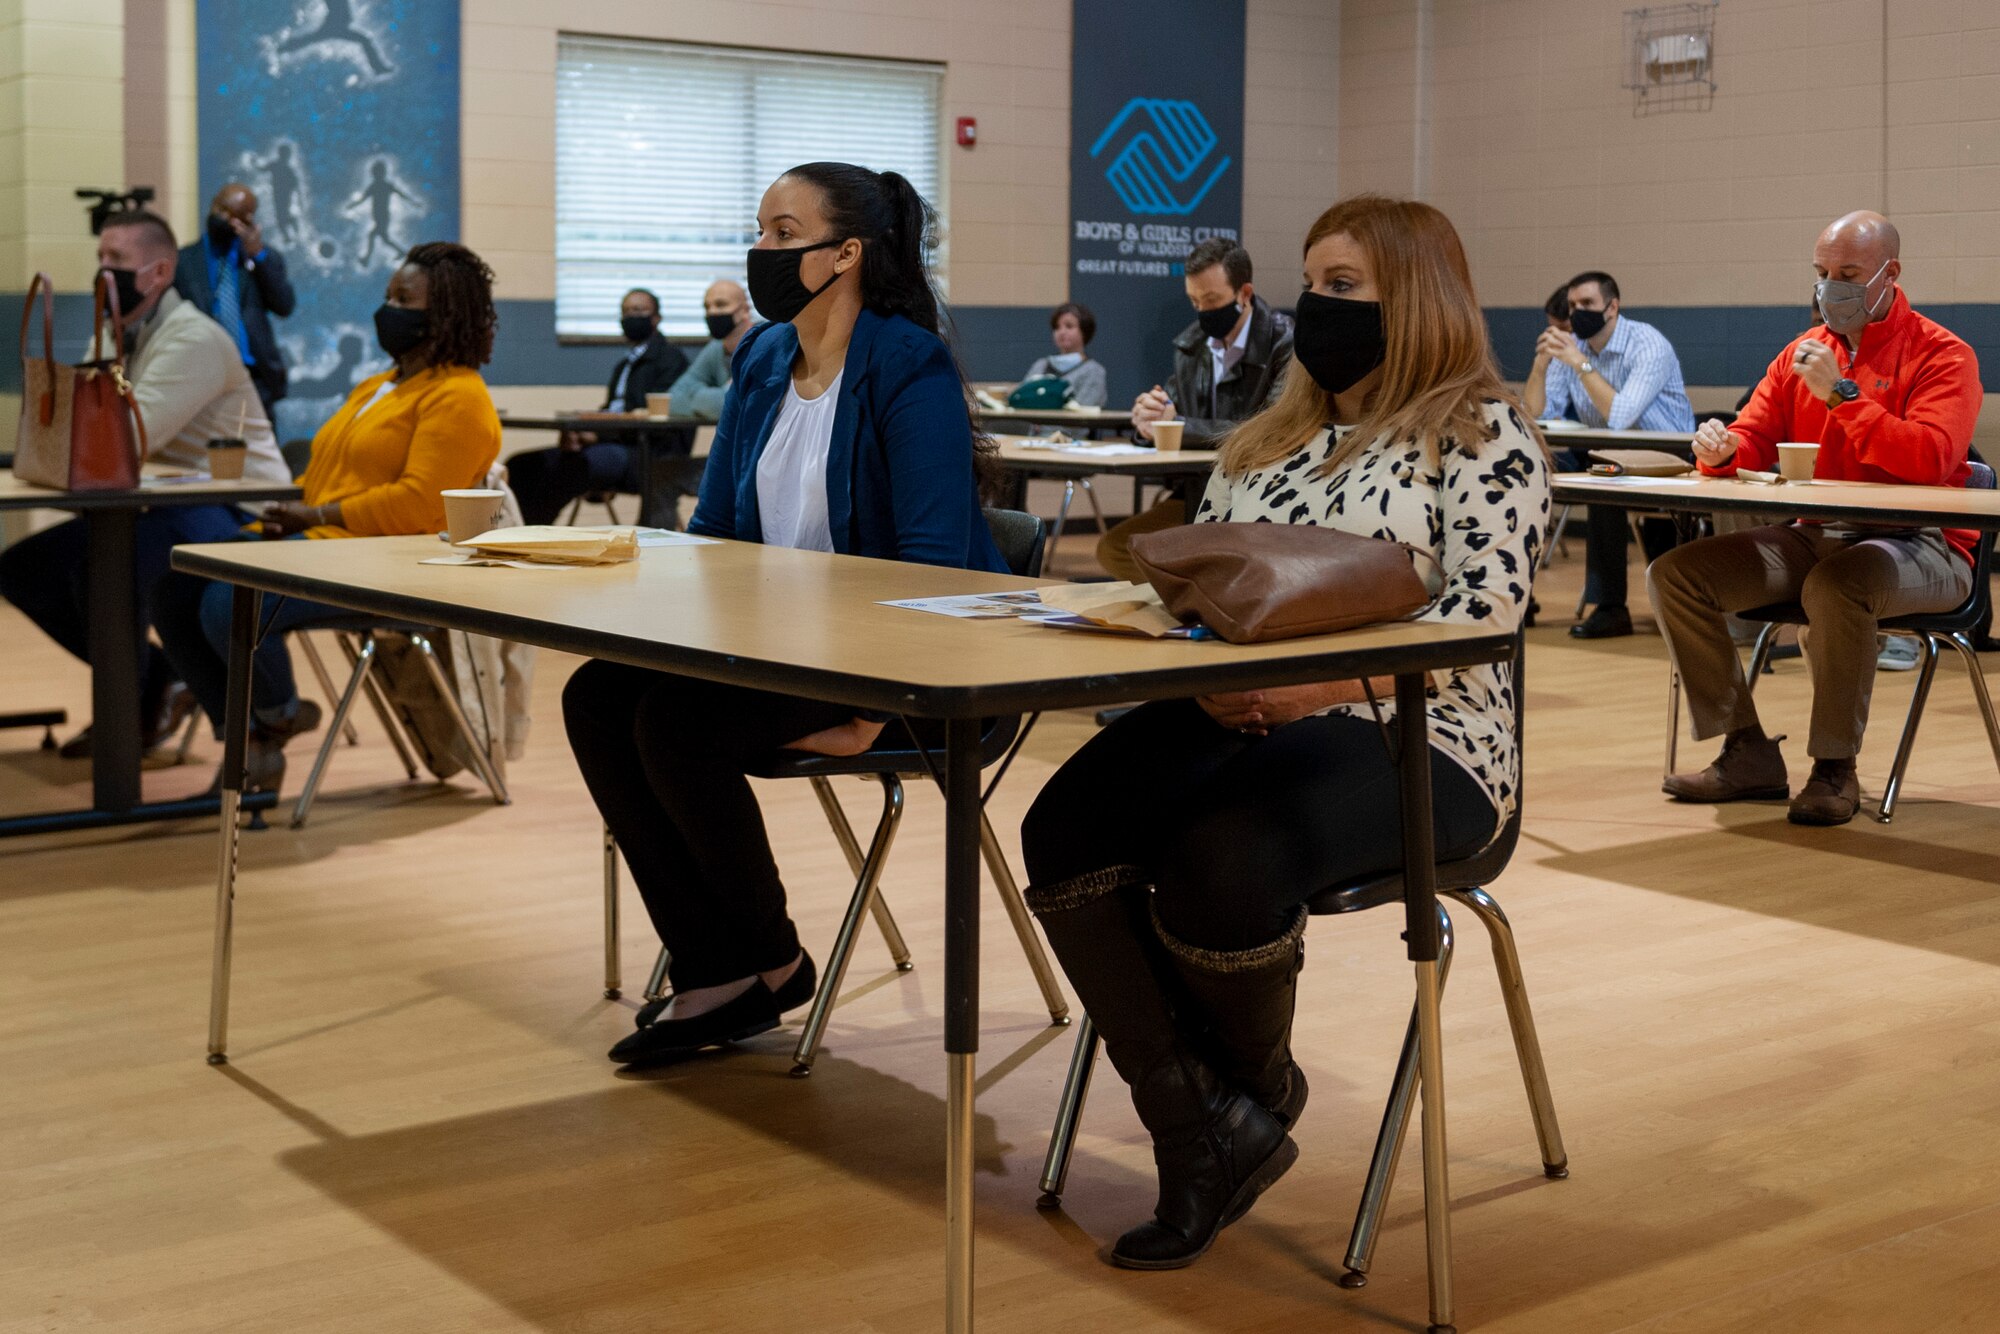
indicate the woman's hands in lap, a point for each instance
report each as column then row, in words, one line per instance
column 848, row 738
column 1258, row 712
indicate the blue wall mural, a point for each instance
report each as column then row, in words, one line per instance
column 343, row 116
column 1156, row 165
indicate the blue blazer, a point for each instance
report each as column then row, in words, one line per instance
column 899, row 482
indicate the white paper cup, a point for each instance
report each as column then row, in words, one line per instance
column 1167, row 435
column 1796, row 460
column 469, row 513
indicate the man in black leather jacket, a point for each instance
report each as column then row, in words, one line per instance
column 1228, row 364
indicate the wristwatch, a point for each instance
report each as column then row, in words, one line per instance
column 1844, row 391
column 1586, row 368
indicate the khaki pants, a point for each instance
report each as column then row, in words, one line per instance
column 1114, row 549
column 1845, row 584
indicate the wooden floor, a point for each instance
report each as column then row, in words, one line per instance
column 1776, row 1053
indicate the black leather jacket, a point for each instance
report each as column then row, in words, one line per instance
column 1210, row 409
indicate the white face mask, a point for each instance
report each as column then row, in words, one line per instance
column 1064, row 362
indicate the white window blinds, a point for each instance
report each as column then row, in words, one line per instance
column 664, row 149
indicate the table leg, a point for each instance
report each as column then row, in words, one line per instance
column 243, row 610
column 116, row 641
column 649, row 480
column 1422, row 932
column 961, row 1021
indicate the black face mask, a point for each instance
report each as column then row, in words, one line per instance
column 400, row 330
column 636, row 328
column 221, row 235
column 1218, row 322
column 775, row 285
column 1586, row 324
column 1338, row 341
column 721, row 326
column 126, row 281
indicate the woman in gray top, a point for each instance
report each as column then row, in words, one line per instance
column 1074, row 326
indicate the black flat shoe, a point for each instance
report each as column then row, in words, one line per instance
column 796, row 991
column 1603, row 623
column 755, row 1011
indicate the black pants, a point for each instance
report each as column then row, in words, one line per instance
column 1605, row 578
column 1236, row 832
column 664, row 758
column 547, row 480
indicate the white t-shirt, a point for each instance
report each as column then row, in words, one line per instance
column 791, row 474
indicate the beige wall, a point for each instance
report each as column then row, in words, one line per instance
column 1535, row 153
column 61, row 126
column 1007, row 200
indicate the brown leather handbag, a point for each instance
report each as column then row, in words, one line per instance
column 80, row 429
column 1252, row 582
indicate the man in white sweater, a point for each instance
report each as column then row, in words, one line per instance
column 190, row 386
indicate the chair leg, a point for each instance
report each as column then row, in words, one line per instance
column 613, row 963
column 843, row 945
column 1062, row 512
column 1760, row 655
column 1090, row 494
column 1673, row 716
column 1971, row 656
column 383, row 713
column 1559, row 540
column 364, row 659
column 1926, row 671
column 656, row 981
column 1389, row 1139
column 1024, row 926
column 304, row 640
column 482, row 762
column 1069, row 1116
column 186, row 747
column 843, row 834
column 1521, row 1019
column 575, row 509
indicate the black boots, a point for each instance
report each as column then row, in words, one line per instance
column 1246, row 999
column 1216, row 1149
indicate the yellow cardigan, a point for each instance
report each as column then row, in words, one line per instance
column 435, row 431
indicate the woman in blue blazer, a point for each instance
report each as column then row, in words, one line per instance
column 845, row 429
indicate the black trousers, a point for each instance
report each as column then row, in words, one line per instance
column 545, row 481
column 1235, row 832
column 664, row 758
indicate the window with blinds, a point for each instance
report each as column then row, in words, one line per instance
column 664, row 149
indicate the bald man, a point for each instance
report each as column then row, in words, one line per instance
column 234, row 278
column 698, row 394
column 1890, row 397
column 583, row 462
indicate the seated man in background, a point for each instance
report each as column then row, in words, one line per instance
column 190, row 385
column 1227, row 365
column 699, row 392
column 1889, row 397
column 545, row 480
column 1556, row 310
column 1614, row 372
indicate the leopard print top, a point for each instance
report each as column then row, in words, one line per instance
column 1484, row 513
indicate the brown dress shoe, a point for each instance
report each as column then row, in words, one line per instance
column 1830, row 796
column 1749, row 769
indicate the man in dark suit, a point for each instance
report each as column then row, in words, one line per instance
column 545, row 480
column 231, row 275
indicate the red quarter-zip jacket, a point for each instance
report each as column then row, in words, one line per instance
column 1920, row 397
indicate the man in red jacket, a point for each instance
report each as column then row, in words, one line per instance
column 1889, row 397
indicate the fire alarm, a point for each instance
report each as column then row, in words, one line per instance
column 968, row 131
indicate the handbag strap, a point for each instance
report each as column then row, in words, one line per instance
column 46, row 409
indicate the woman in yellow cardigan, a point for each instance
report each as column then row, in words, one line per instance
column 423, row 426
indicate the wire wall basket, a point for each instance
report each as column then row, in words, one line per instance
column 1670, row 57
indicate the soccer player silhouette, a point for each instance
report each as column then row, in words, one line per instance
column 338, row 27
column 284, row 178
column 377, row 194
column 337, row 382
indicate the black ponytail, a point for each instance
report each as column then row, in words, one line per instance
column 898, row 231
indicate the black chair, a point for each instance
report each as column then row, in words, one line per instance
column 1931, row 630
column 1462, row 881
column 297, row 455
column 1022, row 542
